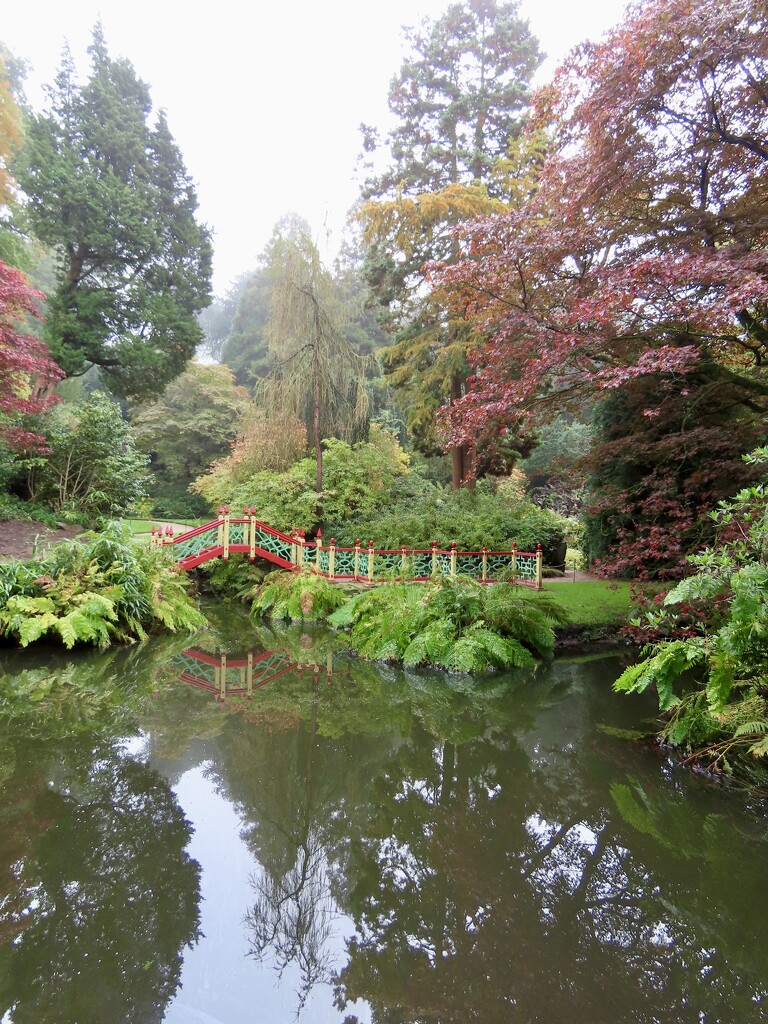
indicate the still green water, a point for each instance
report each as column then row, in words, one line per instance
column 348, row 843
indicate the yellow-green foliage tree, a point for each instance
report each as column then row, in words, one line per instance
column 318, row 377
column 460, row 99
column 192, row 423
column 10, row 133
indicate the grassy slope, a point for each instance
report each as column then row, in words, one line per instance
column 593, row 602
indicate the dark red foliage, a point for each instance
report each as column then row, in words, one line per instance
column 641, row 258
column 27, row 372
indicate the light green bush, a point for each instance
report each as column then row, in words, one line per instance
column 296, row 595
column 454, row 623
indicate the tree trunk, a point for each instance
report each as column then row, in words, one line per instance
column 318, row 446
column 459, row 454
column 469, row 468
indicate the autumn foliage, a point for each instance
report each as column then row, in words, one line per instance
column 27, row 371
column 638, row 267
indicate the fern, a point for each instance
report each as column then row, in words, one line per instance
column 750, row 728
column 663, row 669
column 32, row 629
column 416, row 652
column 454, row 623
column 295, row 596
column 107, row 589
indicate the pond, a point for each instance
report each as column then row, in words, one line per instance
column 261, row 828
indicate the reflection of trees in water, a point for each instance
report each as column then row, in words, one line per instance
column 110, row 897
column 493, row 887
column 307, row 793
column 469, row 829
column 297, row 784
column 291, row 920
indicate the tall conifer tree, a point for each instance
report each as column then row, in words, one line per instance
column 460, row 98
column 108, row 191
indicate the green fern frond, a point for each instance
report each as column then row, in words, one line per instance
column 30, row 630
column 750, row 728
column 416, row 651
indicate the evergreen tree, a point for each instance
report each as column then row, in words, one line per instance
column 108, row 191
column 460, row 99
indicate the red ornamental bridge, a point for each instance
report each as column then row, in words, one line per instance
column 246, row 535
column 224, row 676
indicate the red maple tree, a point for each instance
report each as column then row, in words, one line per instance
column 27, row 372
column 642, row 256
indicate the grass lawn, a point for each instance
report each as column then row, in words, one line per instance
column 593, row 602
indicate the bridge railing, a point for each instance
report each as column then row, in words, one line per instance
column 225, row 676
column 247, row 535
column 369, row 564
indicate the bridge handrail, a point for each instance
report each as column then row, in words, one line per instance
column 295, row 550
column 263, row 526
column 216, row 523
column 423, row 551
column 195, row 531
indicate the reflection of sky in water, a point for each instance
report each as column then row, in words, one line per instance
column 220, row 982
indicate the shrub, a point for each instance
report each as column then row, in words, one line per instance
column 13, row 507
column 722, row 614
column 356, row 479
column 93, row 467
column 106, row 589
column 454, row 623
column 418, row 513
column 236, row 578
column 296, row 595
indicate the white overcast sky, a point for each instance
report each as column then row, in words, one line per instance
column 265, row 100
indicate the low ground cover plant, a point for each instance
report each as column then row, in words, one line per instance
column 451, row 622
column 104, row 590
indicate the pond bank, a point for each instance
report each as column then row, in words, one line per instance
column 582, row 638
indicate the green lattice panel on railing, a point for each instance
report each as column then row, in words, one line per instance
column 526, row 567
column 237, row 533
column 444, row 563
column 196, row 668
column 265, row 670
column 470, row 565
column 275, row 545
column 324, row 559
column 194, row 545
column 344, row 563
column 498, row 565
column 387, row 563
column 421, row 564
column 234, row 679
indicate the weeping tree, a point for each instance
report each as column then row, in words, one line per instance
column 317, row 374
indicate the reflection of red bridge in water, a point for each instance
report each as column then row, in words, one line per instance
column 239, row 677
column 248, row 536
